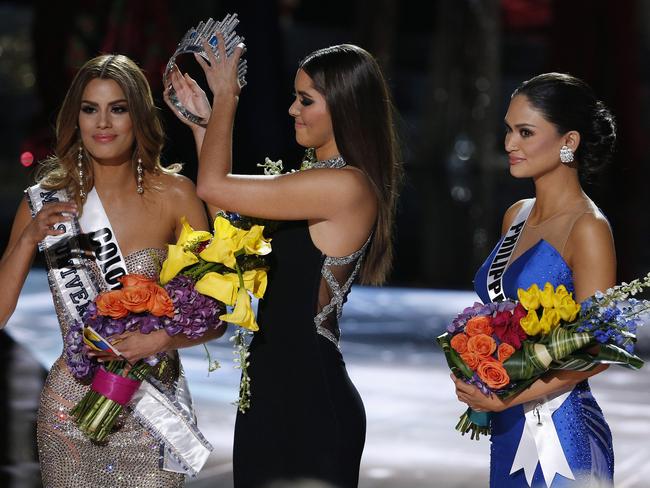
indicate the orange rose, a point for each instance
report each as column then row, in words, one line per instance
column 504, row 351
column 136, row 280
column 482, row 344
column 459, row 343
column 479, row 325
column 160, row 304
column 471, row 359
column 110, row 304
column 136, row 298
column 493, row 374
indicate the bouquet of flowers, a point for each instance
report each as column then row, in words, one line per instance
column 503, row 347
column 140, row 305
column 204, row 273
column 225, row 266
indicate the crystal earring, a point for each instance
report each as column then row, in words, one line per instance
column 139, row 171
column 80, row 169
column 566, row 154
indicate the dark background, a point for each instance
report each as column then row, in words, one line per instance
column 451, row 65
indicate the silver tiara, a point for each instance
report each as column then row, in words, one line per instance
column 192, row 43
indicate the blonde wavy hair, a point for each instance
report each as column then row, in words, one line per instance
column 60, row 170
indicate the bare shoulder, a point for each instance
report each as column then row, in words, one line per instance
column 345, row 186
column 591, row 240
column 511, row 213
column 177, row 198
column 591, row 254
column 355, row 178
column 175, row 185
column 591, row 228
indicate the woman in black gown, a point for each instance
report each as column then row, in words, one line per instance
column 306, row 419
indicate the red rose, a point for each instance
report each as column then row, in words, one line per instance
column 519, row 313
column 502, row 319
column 507, row 329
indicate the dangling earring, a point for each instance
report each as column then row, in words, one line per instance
column 566, row 154
column 139, row 178
column 80, row 168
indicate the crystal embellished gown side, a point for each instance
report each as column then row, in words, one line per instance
column 306, row 419
column 131, row 455
column 584, row 435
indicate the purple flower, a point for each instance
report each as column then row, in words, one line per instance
column 80, row 365
column 194, row 313
column 458, row 323
column 476, row 381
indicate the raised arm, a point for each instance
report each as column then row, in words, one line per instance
column 193, row 98
column 25, row 235
column 315, row 194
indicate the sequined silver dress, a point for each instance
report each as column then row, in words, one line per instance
column 131, row 456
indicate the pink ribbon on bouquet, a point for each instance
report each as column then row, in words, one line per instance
column 114, row 387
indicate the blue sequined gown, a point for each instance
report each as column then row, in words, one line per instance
column 582, row 430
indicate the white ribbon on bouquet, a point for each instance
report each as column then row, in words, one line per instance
column 540, row 443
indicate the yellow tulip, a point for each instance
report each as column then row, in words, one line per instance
column 561, row 294
column 254, row 243
column 529, row 299
column 561, row 291
column 189, row 236
column 567, row 308
column 242, row 314
column 222, row 287
column 530, row 323
column 546, row 296
column 549, row 321
column 177, row 260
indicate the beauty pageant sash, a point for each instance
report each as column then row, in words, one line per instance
column 68, row 277
column 504, row 253
column 169, row 417
column 94, row 223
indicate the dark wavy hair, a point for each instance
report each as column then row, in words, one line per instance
column 361, row 109
column 570, row 104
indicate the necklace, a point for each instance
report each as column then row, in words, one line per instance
column 309, row 161
column 336, row 162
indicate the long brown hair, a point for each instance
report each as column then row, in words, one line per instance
column 360, row 106
column 60, row 170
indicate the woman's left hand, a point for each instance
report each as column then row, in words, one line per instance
column 475, row 399
column 221, row 71
column 135, row 346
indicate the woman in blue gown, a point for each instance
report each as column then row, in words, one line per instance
column 556, row 132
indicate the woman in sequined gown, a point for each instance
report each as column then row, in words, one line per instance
column 565, row 240
column 306, row 419
column 107, row 129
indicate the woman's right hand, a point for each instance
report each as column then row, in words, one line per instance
column 45, row 221
column 191, row 96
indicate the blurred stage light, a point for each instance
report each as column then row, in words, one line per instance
column 26, row 159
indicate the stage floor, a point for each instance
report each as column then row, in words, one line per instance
column 389, row 347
